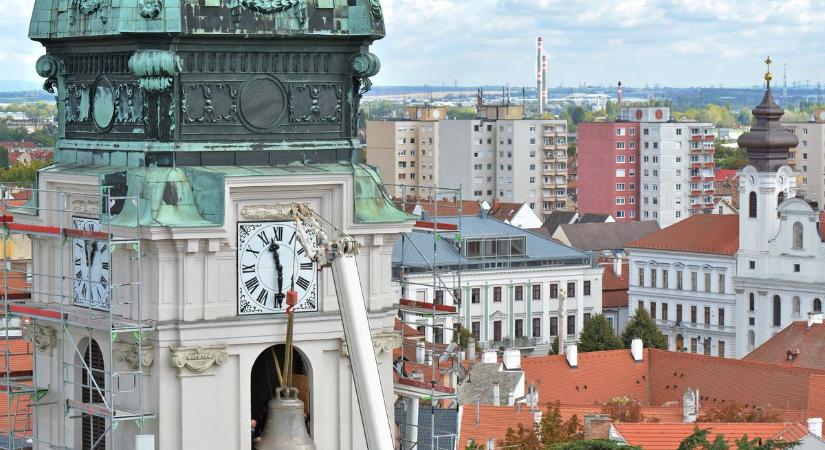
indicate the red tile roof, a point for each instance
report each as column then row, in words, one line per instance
column 444, row 208
column 504, row 211
column 614, row 287
column 20, row 356
column 667, row 436
column 692, row 235
column 722, row 174
column 796, row 345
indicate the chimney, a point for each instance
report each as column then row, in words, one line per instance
column 617, row 266
column 420, row 352
column 496, row 395
column 814, row 318
column 537, row 416
column 491, row 444
column 512, row 359
column 573, row 355
column 471, row 349
column 489, row 357
column 690, row 406
column 532, row 396
column 429, row 357
column 511, row 399
column 597, row 426
column 637, row 349
column 815, row 426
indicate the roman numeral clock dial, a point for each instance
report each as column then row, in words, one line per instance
column 91, row 267
column 270, row 259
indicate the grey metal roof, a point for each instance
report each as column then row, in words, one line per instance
column 557, row 218
column 443, row 421
column 418, row 245
column 478, row 387
column 607, row 235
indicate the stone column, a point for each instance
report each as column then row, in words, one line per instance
column 411, row 424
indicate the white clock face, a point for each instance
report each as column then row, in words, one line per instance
column 262, row 248
column 91, row 265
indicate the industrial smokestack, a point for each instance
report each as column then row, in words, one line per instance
column 539, row 84
column 543, row 81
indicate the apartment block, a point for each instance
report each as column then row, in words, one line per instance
column 509, row 160
column 809, row 157
column 608, row 169
column 406, row 151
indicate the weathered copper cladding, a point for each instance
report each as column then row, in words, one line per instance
column 768, row 142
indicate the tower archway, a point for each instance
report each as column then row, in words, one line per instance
column 264, row 381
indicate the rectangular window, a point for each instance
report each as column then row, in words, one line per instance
column 693, row 314
column 536, row 291
column 721, row 283
column 497, row 294
column 536, row 326
column 571, row 290
column 641, row 277
column 475, row 296
column 707, row 315
column 694, row 280
column 620, row 159
column 519, row 328
column 694, row 344
column 439, row 297
column 554, row 290
column 707, row 282
column 587, row 287
column 721, row 351
column 571, row 324
column 519, row 293
column 586, row 317
column 679, row 280
column 554, row 326
column 653, row 278
column 653, row 309
column 664, row 311
column 751, row 303
column 721, row 317
column 665, row 278
column 678, row 312
column 497, row 330
column 476, row 329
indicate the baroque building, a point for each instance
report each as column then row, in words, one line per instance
column 191, row 127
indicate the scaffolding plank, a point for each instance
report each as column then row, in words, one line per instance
column 37, row 312
column 426, row 308
column 101, row 410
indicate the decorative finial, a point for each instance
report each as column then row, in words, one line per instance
column 768, row 76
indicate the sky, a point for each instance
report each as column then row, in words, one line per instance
column 640, row 42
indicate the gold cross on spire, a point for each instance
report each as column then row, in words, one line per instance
column 768, row 76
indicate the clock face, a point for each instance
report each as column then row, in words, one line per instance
column 263, row 247
column 91, row 265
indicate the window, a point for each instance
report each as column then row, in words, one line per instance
column 752, row 205
column 653, row 278
column 707, row 282
column 751, row 302
column 706, row 346
column 620, row 159
column 518, row 293
column 645, row 131
column 620, row 200
column 678, row 312
column 680, row 343
column 664, row 311
column 777, row 311
column 693, row 314
column 497, row 294
column 707, row 315
column 536, row 326
column 619, row 131
column 619, row 186
column 721, row 283
column 497, row 330
column 632, row 159
column 751, row 338
column 587, row 287
column 620, row 214
column 632, row 131
column 721, row 349
column 817, row 305
column 665, row 279
column 721, row 317
column 632, row 145
column 752, row 265
column 679, row 280
column 619, row 146
column 797, row 236
column 694, row 281
column 475, row 295
column 519, row 328
column 641, row 277
column 620, row 173
column 653, row 310
column 796, row 307
column 536, row 291
column 439, row 297
column 571, row 290
column 571, row 324
column 554, row 326
column 554, row 290
column 94, row 427
column 693, row 345
column 641, row 304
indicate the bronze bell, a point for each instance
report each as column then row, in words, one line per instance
column 285, row 428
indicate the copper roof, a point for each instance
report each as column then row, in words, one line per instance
column 704, row 233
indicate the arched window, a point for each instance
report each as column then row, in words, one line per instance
column 780, row 198
column 751, row 338
column 706, row 346
column 798, row 234
column 93, row 387
column 796, row 307
column 817, row 305
column 777, row 311
column 680, row 342
column 752, row 205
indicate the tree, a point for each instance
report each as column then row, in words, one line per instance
column 642, row 326
column 698, row 440
column 4, row 157
column 554, row 347
column 734, row 412
column 597, row 335
column 550, row 430
column 623, row 409
column 595, row 444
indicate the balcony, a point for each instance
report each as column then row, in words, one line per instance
column 521, row 343
column 677, row 325
column 696, row 206
column 694, row 193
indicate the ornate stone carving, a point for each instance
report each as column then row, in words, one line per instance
column 128, row 354
column 156, row 69
column 77, row 103
column 198, row 360
column 88, row 7
column 375, row 8
column 209, row 103
column 315, row 103
column 150, row 9
column 364, row 66
column 277, row 211
column 88, row 206
column 50, row 68
column 128, row 104
column 42, row 337
column 381, row 342
column 276, row 6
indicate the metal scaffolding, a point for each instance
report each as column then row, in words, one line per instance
column 430, row 314
column 65, row 323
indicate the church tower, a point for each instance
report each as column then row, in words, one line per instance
column 187, row 128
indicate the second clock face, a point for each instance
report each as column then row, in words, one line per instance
column 266, row 249
column 91, row 267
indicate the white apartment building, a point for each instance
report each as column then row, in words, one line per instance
column 808, row 158
column 511, row 282
column 677, row 166
column 510, row 160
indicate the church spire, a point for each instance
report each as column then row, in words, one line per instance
column 768, row 143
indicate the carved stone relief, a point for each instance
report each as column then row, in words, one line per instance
column 42, row 337
column 210, row 103
column 278, row 211
column 128, row 354
column 382, row 342
column 77, row 103
column 198, row 360
column 128, row 104
column 315, row 103
column 150, row 9
column 89, row 7
column 276, row 6
column 262, row 103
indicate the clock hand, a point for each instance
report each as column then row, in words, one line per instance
column 89, row 268
column 279, row 296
